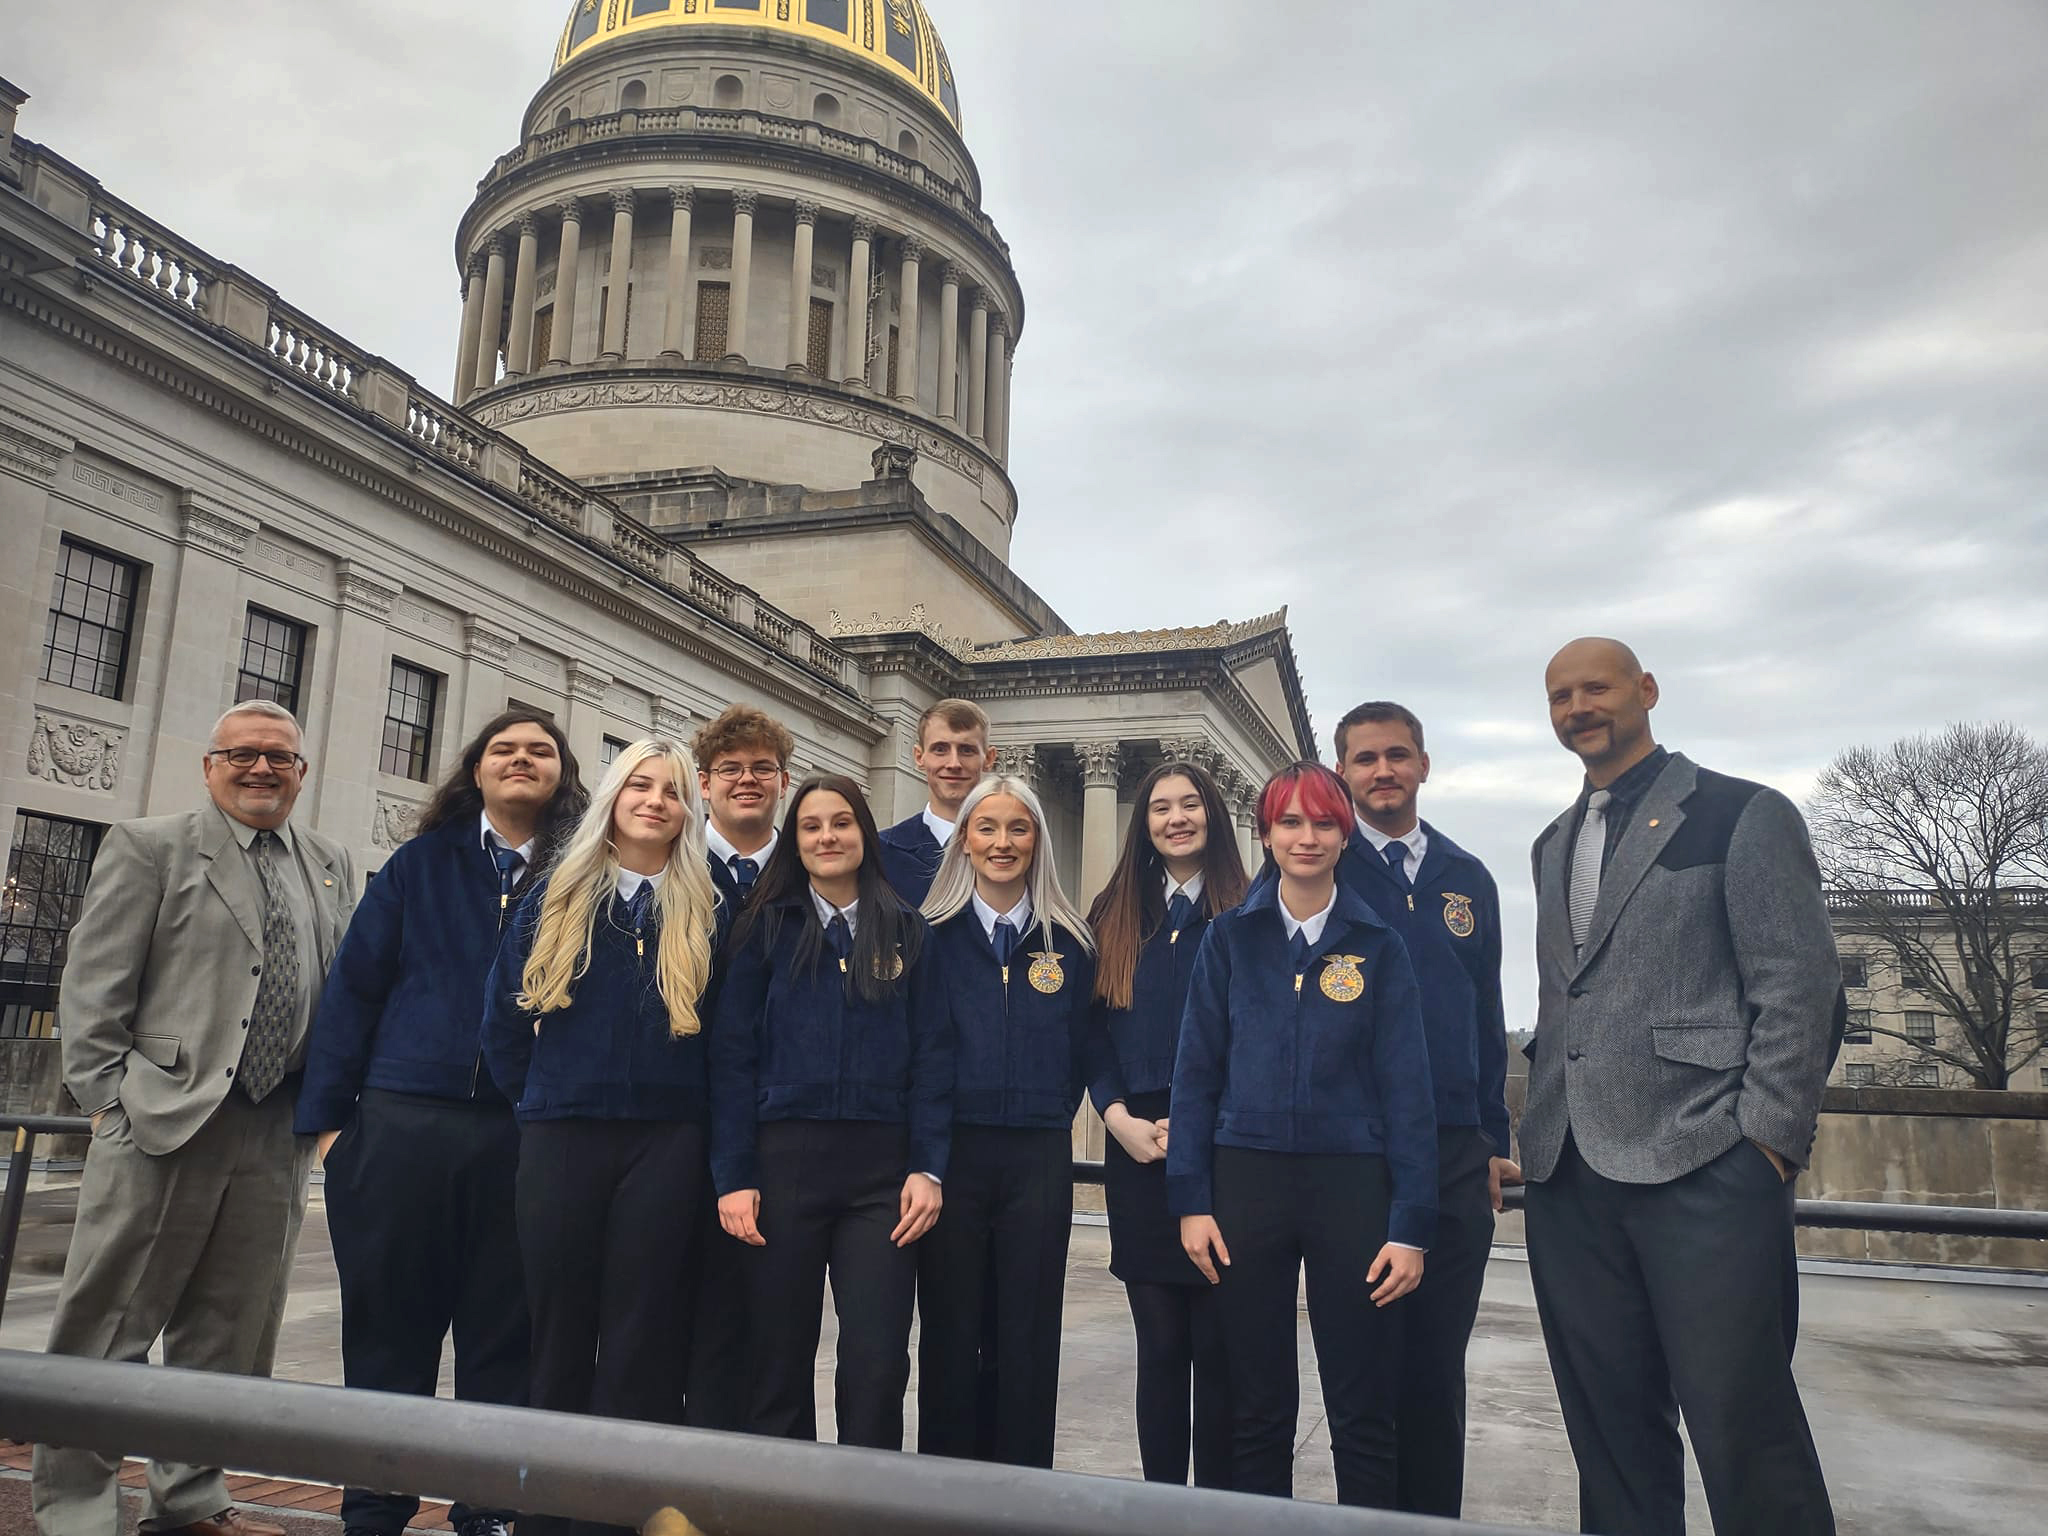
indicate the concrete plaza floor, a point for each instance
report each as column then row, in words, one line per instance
column 1928, row 1396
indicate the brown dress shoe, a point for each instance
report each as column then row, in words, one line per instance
column 229, row 1522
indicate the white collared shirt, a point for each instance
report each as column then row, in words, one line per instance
column 1415, row 840
column 630, row 883
column 1190, row 888
column 1019, row 915
column 1310, row 927
column 722, row 849
column 826, row 912
column 938, row 826
column 490, row 837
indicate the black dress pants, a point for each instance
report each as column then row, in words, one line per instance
column 830, row 1197
column 1182, row 1360
column 609, row 1217
column 1438, row 1326
column 419, row 1253
column 1281, row 1213
column 1008, row 1217
column 1662, row 1299
column 715, row 1299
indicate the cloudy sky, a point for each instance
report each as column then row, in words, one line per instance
column 1459, row 330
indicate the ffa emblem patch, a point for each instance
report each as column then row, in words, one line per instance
column 1458, row 915
column 1045, row 973
column 1342, row 981
column 889, row 969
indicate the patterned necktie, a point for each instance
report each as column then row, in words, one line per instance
column 509, row 861
column 1005, row 941
column 1588, row 853
column 270, row 1020
column 745, row 872
column 1178, row 911
column 1396, row 855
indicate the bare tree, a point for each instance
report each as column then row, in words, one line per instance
column 1937, row 847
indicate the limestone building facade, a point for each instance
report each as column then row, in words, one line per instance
column 729, row 421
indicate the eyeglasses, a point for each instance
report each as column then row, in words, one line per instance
column 246, row 757
column 732, row 773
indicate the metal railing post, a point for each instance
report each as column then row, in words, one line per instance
column 11, row 1205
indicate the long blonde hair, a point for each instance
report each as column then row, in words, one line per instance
column 953, row 886
column 586, row 874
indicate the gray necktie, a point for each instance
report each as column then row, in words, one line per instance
column 1587, row 854
column 270, row 1021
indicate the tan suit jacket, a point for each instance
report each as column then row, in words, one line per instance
column 163, row 967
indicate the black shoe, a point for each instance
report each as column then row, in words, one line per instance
column 481, row 1525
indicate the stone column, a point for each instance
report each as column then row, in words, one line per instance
column 362, row 690
column 493, row 315
column 949, row 340
column 1019, row 762
column 906, row 324
column 856, row 365
column 525, row 281
column 680, row 200
column 878, row 331
column 565, row 281
column 800, row 285
column 977, row 365
column 585, row 725
column 997, row 407
column 622, row 266
column 1098, row 815
column 485, row 648
column 205, row 626
column 472, row 329
column 744, row 201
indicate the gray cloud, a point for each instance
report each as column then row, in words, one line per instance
column 1459, row 331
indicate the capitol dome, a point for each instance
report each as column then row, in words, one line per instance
column 895, row 36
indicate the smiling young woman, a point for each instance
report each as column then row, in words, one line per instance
column 592, row 1031
column 1304, row 1134
column 1017, row 966
column 831, row 1092
column 1172, row 877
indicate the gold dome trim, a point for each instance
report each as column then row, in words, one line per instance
column 896, row 35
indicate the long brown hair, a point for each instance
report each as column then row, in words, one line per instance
column 1133, row 904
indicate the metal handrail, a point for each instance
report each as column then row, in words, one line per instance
column 26, row 1129
column 610, row 1470
column 1856, row 1215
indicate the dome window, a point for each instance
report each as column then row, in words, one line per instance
column 646, row 7
column 562, row 117
column 906, row 144
column 827, row 13
column 730, row 91
column 826, row 109
column 634, row 96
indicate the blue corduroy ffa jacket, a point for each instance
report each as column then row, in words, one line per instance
column 793, row 1043
column 609, row 1054
column 910, row 858
column 1131, row 1050
column 403, row 1006
column 1450, row 922
column 1018, row 1042
column 1270, row 1061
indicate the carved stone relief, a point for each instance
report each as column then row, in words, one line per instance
column 74, row 752
column 393, row 821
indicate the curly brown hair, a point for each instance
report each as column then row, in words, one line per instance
column 737, row 728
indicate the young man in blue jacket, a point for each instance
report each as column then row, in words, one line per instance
column 953, row 754
column 1443, row 903
column 395, row 1084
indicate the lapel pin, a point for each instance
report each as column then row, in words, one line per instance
column 330, row 882
column 1653, row 822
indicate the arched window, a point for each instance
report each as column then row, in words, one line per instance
column 826, row 109
column 730, row 91
column 906, row 144
column 562, row 117
column 634, row 96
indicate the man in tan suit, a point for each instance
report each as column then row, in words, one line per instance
column 194, row 965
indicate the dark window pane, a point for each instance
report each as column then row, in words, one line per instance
column 85, row 642
column 47, row 864
column 408, row 722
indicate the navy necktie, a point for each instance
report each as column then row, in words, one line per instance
column 1297, row 952
column 509, row 861
column 638, row 903
column 1005, row 941
column 840, row 937
column 1178, row 911
column 745, row 872
column 1396, row 855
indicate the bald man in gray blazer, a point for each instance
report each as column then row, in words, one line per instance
column 1686, row 1006
column 193, row 968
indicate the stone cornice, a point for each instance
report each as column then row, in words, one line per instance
column 213, row 528
column 30, row 449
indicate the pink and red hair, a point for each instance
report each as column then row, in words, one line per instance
column 1324, row 797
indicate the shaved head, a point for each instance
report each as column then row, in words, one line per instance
column 1600, row 703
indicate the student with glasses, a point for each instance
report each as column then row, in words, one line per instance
column 831, row 1092
column 1018, row 966
column 1304, row 1137
column 595, row 1034
column 1179, row 869
column 395, row 1082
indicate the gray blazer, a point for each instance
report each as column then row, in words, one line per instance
column 1702, row 1008
column 161, row 972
